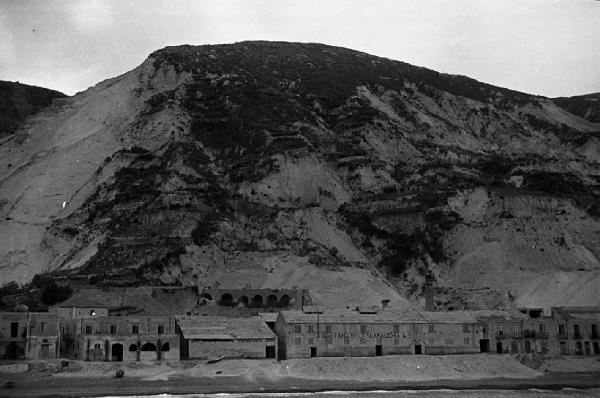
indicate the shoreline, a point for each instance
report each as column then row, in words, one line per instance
column 27, row 386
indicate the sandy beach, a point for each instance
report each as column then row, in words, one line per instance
column 48, row 378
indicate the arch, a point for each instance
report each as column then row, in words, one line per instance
column 284, row 301
column 116, row 352
column 243, row 300
column 271, row 300
column 257, row 301
column 226, row 299
column 207, row 296
column 165, row 347
column 148, row 347
column 133, row 348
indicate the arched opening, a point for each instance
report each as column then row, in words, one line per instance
column 271, row 300
column 243, row 300
column 148, row 347
column 133, row 348
column 226, row 299
column 165, row 347
column 116, row 352
column 207, row 296
column 257, row 301
column 284, row 301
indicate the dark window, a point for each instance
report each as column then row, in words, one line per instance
column 576, row 331
column 113, row 329
column 542, row 327
column 161, row 329
column 298, row 329
column 93, row 313
column 42, row 326
column 561, row 329
column 148, row 347
column 14, row 329
column 311, row 329
column 135, row 329
column 363, row 329
column 431, row 329
column 133, row 348
column 88, row 329
column 165, row 347
column 328, row 329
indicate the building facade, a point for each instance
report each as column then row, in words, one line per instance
column 209, row 337
column 577, row 330
column 29, row 335
column 373, row 332
column 129, row 338
column 79, row 307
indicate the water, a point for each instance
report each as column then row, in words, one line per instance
column 530, row 393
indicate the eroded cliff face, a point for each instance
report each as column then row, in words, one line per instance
column 283, row 164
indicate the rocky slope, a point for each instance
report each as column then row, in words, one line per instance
column 17, row 101
column 586, row 106
column 285, row 164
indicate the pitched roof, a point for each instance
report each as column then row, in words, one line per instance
column 386, row 315
column 223, row 328
column 503, row 314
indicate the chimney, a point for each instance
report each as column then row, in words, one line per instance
column 429, row 293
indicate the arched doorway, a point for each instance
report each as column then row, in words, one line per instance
column 226, row 299
column 133, row 353
column 148, row 352
column 271, row 300
column 257, row 301
column 116, row 352
column 284, row 301
column 207, row 296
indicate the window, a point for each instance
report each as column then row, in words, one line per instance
column 311, row 329
column 92, row 312
column 396, row 340
column 516, row 329
column 135, row 329
column 328, row 329
column 561, row 329
column 88, row 329
column 298, row 341
column 14, row 329
column 499, row 328
column 466, row 328
column 363, row 329
column 297, row 328
column 311, row 341
column 42, row 326
column 113, row 329
column 161, row 329
column 484, row 330
column 97, row 347
column 542, row 327
column 347, row 340
column 430, row 328
column 396, row 329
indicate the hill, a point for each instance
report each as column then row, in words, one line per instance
column 245, row 164
column 587, row 106
column 17, row 101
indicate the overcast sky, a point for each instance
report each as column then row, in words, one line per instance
column 547, row 47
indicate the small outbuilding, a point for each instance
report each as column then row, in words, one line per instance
column 206, row 337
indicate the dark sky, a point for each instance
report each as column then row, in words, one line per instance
column 547, row 47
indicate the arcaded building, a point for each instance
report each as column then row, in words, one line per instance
column 373, row 332
column 129, row 338
column 29, row 335
column 207, row 337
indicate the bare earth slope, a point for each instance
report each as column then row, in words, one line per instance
column 285, row 164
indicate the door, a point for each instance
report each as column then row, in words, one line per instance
column 563, row 348
column 11, row 351
column 378, row 350
column 270, row 351
column 313, row 352
column 499, row 347
column 596, row 346
column 418, row 349
column 117, row 352
column 484, row 345
column 45, row 353
column 586, row 345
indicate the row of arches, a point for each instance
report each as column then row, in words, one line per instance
column 256, row 301
column 148, row 347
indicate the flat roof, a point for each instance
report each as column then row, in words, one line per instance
column 223, row 328
column 385, row 315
